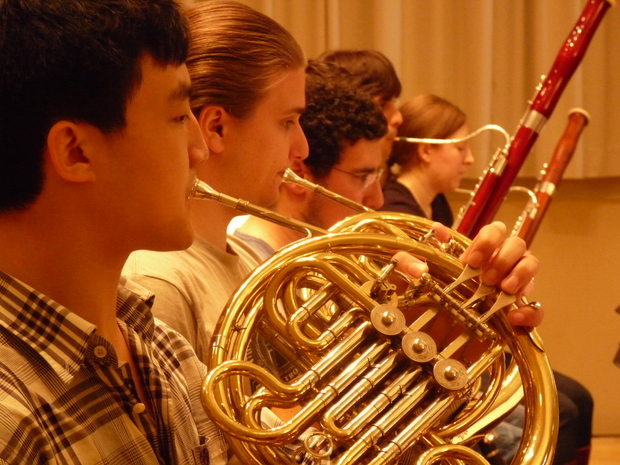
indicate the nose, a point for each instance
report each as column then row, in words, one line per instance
column 469, row 157
column 299, row 146
column 392, row 114
column 373, row 197
column 396, row 119
column 197, row 147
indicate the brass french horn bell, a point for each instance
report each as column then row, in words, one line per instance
column 387, row 369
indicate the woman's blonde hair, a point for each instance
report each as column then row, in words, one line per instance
column 424, row 116
column 235, row 52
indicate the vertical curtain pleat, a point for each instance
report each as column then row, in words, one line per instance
column 484, row 55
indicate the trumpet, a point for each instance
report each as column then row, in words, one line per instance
column 375, row 372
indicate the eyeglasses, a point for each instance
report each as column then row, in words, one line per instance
column 367, row 179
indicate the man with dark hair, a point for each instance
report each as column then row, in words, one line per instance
column 370, row 71
column 98, row 148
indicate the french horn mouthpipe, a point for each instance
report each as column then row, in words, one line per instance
column 202, row 190
column 290, row 176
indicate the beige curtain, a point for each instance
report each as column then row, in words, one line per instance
column 487, row 56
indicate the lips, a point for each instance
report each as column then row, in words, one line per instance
column 191, row 186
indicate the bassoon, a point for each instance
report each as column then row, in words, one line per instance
column 499, row 176
column 551, row 176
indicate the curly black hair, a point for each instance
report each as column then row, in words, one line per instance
column 337, row 114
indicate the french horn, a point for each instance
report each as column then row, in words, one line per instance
column 387, row 369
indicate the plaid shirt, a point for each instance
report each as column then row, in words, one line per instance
column 66, row 399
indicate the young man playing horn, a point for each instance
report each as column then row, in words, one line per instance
column 248, row 80
column 99, row 150
column 354, row 128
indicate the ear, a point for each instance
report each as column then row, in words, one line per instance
column 212, row 120
column 425, row 152
column 67, row 144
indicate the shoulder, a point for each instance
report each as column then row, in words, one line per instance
column 392, row 185
column 156, row 264
column 398, row 198
column 244, row 248
column 259, row 248
column 181, row 269
column 173, row 347
column 393, row 191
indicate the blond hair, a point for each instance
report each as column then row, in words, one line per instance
column 234, row 54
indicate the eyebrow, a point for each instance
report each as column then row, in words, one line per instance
column 366, row 170
column 297, row 110
column 182, row 92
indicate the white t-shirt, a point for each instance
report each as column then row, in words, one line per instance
column 192, row 286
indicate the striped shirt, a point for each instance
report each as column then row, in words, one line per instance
column 66, row 399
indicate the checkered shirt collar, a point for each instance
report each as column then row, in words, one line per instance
column 63, row 338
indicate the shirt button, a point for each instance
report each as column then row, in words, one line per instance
column 139, row 408
column 100, row 351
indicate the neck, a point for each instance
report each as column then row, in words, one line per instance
column 420, row 188
column 210, row 221
column 62, row 258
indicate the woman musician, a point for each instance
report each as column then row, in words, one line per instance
column 421, row 175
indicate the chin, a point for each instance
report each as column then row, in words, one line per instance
column 183, row 237
column 184, row 240
column 271, row 200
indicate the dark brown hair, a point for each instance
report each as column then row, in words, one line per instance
column 370, row 71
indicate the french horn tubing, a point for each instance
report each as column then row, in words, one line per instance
column 388, row 369
column 495, row 182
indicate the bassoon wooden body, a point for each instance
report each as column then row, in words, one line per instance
column 497, row 179
column 551, row 176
